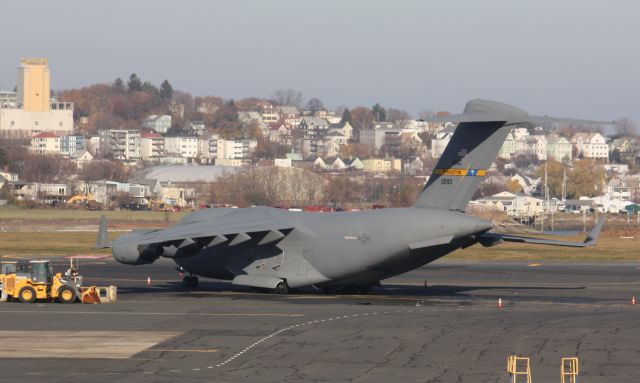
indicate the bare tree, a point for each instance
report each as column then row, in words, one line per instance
column 426, row 114
column 287, row 97
column 625, row 127
column 45, row 168
column 400, row 118
column 104, row 170
column 315, row 105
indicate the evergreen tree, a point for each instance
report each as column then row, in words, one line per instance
column 149, row 87
column 346, row 117
column 134, row 84
column 118, row 85
column 166, row 90
column 379, row 113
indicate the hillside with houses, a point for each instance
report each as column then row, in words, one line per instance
column 135, row 145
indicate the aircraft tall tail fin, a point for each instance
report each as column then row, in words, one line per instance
column 482, row 129
column 464, row 163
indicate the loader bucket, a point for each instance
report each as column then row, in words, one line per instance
column 90, row 295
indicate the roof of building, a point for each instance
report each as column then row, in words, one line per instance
column 46, row 135
column 151, row 135
column 287, row 109
column 190, row 173
column 315, row 121
column 579, row 202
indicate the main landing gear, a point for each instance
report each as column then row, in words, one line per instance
column 281, row 288
column 190, row 281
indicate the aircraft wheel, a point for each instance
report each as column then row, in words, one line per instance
column 281, row 288
column 27, row 295
column 66, row 295
column 190, row 281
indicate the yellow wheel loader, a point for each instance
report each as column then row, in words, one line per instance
column 34, row 280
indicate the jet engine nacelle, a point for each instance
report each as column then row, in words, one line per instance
column 127, row 251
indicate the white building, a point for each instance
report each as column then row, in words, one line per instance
column 158, row 123
column 236, row 149
column 186, row 147
column 508, row 148
column 45, row 143
column 440, row 141
column 151, row 146
column 559, row 148
column 536, row 145
column 590, row 145
column 208, row 148
column 121, row 144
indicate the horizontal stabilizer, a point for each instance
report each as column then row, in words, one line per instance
column 490, row 239
column 540, row 120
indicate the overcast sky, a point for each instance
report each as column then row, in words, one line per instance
column 576, row 59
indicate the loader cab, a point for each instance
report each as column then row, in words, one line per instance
column 8, row 267
column 41, row 272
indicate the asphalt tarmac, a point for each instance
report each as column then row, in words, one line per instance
column 452, row 330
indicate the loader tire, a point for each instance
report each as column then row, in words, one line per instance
column 27, row 294
column 66, row 295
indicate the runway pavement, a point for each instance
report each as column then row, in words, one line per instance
column 450, row 331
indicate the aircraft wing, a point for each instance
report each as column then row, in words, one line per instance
column 490, row 239
column 211, row 233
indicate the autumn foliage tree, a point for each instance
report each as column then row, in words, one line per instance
column 111, row 106
column 586, row 178
column 227, row 124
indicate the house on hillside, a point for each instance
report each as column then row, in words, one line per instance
column 590, row 145
column 579, row 206
column 81, row 158
column 157, row 123
column 440, row 142
column 45, row 143
column 559, row 148
column 515, row 205
column 353, row 163
column 413, row 165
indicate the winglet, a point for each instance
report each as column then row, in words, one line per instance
column 592, row 238
column 103, row 237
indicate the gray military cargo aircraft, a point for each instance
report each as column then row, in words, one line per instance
column 276, row 249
